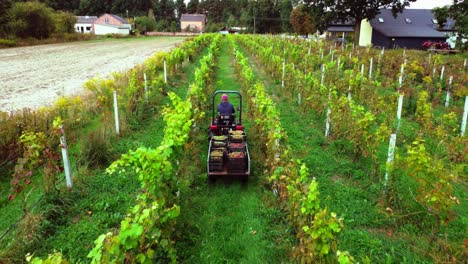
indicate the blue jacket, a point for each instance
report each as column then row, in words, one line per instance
column 225, row 108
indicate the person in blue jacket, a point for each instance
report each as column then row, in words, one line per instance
column 225, row 108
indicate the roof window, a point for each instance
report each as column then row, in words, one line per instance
column 434, row 21
column 381, row 20
column 408, row 20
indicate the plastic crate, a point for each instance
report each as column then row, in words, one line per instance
column 233, row 146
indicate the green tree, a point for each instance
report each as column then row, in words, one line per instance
column 31, row 19
column 4, row 7
column 357, row 10
column 144, row 24
column 214, row 9
column 319, row 12
column 232, row 21
column 180, row 8
column 267, row 16
column 301, row 21
column 459, row 12
column 286, row 8
column 69, row 6
column 441, row 14
column 64, row 22
column 244, row 19
column 164, row 9
column 192, row 6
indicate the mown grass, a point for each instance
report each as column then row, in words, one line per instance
column 346, row 187
column 228, row 221
column 69, row 222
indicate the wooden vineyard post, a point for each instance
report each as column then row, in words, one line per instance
column 391, row 155
column 332, row 55
column 465, row 114
column 370, row 67
column 447, row 99
column 165, row 72
column 338, row 62
column 299, row 99
column 146, row 87
column 464, row 65
column 310, row 47
column 66, row 160
column 116, row 113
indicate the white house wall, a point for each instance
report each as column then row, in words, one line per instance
column 104, row 30
column 81, row 27
column 365, row 36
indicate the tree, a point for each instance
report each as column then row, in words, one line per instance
column 64, row 22
column 144, row 24
column 357, row 10
column 192, row 6
column 31, row 19
column 441, row 14
column 319, row 12
column 69, row 6
column 267, row 16
column 459, row 12
column 180, row 8
column 4, row 6
column 285, row 13
column 232, row 21
column 301, row 21
column 164, row 9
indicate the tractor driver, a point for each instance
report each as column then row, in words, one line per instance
column 225, row 108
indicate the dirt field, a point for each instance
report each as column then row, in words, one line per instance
column 35, row 76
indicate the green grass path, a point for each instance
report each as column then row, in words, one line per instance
column 229, row 222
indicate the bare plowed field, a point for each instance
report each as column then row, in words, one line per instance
column 35, row 76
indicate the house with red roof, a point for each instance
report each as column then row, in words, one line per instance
column 192, row 23
column 111, row 24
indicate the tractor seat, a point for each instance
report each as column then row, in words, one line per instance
column 226, row 120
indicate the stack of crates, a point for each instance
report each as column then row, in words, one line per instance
column 217, row 153
column 237, row 159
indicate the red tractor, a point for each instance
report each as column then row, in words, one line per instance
column 228, row 152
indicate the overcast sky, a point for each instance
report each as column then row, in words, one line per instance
column 429, row 4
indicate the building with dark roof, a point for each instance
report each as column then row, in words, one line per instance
column 192, row 22
column 410, row 29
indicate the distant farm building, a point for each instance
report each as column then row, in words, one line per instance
column 84, row 24
column 111, row 24
column 192, row 23
column 410, row 29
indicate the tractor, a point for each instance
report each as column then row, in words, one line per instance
column 228, row 152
